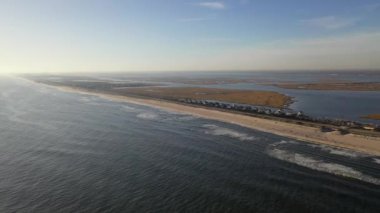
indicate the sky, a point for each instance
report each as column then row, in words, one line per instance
column 187, row 35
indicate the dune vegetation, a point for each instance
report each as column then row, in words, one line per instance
column 263, row 98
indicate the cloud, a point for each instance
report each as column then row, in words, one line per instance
column 354, row 51
column 213, row 5
column 330, row 22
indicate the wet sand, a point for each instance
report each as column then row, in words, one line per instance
column 370, row 145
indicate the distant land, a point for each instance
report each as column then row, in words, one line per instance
column 373, row 116
column 262, row 110
column 344, row 86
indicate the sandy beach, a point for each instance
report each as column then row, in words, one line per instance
column 370, row 145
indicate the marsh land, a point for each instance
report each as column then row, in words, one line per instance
column 342, row 86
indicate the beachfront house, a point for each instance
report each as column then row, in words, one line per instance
column 371, row 128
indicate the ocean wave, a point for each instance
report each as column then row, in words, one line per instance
column 45, row 90
column 319, row 165
column 339, row 151
column 147, row 115
column 129, row 108
column 329, row 149
column 85, row 99
column 5, row 94
column 376, row 160
column 17, row 116
column 220, row 131
column 342, row 152
column 185, row 118
column 89, row 100
column 67, row 151
column 284, row 142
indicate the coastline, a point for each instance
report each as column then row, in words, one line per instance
column 366, row 144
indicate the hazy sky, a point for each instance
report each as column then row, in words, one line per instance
column 147, row 35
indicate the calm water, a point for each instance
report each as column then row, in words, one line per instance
column 63, row 152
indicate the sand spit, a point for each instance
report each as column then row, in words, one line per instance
column 370, row 145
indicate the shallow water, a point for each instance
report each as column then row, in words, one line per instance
column 65, row 152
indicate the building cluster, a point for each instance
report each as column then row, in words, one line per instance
column 248, row 108
column 282, row 113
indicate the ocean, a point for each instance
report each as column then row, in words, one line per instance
column 67, row 152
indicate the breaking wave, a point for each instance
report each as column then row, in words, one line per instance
column 147, row 115
column 284, row 142
column 339, row 151
column 329, row 149
column 128, row 108
column 186, row 118
column 319, row 165
column 89, row 100
column 376, row 160
column 220, row 131
column 342, row 152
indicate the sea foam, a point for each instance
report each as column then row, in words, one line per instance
column 319, row 165
column 128, row 108
column 220, row 131
column 376, row 160
column 148, row 115
column 329, row 149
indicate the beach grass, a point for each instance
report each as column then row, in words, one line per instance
column 346, row 86
column 372, row 116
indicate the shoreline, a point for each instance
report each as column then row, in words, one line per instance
column 366, row 144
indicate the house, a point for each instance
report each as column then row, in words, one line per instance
column 343, row 130
column 326, row 129
column 279, row 112
column 299, row 114
column 290, row 114
column 371, row 128
column 268, row 112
